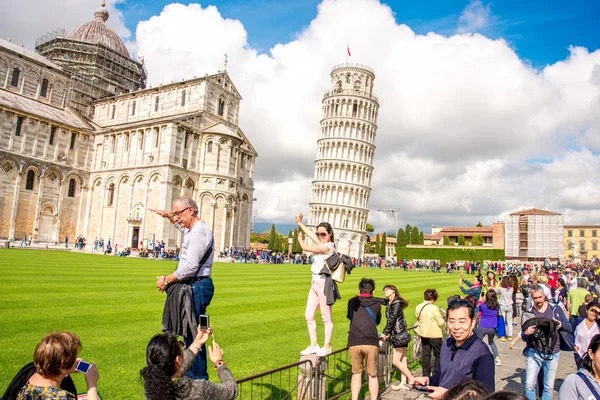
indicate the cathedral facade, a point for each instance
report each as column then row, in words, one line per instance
column 76, row 159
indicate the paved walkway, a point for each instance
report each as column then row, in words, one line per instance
column 509, row 376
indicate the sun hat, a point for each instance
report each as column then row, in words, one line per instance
column 543, row 279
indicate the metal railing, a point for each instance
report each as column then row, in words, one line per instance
column 292, row 381
column 326, row 377
column 352, row 65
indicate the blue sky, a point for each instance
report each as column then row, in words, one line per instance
column 539, row 30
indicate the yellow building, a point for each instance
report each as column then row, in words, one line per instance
column 585, row 237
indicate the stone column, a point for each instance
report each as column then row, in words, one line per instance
column 213, row 203
column 223, row 228
column 143, row 229
column 233, row 207
column 59, row 209
column 116, row 207
column 13, row 217
column 88, row 204
column 36, row 221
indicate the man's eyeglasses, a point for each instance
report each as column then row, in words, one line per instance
column 321, row 234
column 178, row 213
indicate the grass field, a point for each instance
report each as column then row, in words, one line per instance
column 112, row 304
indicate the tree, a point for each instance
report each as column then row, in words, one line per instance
column 479, row 224
column 407, row 234
column 296, row 248
column 477, row 240
column 446, row 241
column 461, row 240
column 272, row 239
column 370, row 228
column 283, row 244
column 383, row 246
column 377, row 244
column 421, row 238
column 414, row 236
column 401, row 238
column 369, row 246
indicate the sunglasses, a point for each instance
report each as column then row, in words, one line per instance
column 321, row 234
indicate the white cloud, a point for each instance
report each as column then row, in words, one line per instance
column 467, row 130
column 25, row 20
column 461, row 123
column 474, row 17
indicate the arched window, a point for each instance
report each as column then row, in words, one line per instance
column 44, row 88
column 156, row 103
column 30, row 180
column 15, row 77
column 348, row 77
column 595, row 245
column 221, row 107
column 112, row 111
column 582, row 245
column 72, row 183
column 133, row 107
column 209, row 147
column 183, row 99
column 111, row 194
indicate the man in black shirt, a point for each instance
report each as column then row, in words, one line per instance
column 364, row 313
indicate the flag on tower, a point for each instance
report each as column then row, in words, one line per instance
column 348, row 48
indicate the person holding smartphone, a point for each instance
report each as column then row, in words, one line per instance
column 55, row 357
column 165, row 375
column 322, row 248
column 463, row 355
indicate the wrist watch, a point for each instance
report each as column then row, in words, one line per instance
column 220, row 363
column 196, row 346
column 165, row 282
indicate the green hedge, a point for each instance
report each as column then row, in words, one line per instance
column 445, row 254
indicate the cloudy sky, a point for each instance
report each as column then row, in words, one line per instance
column 486, row 107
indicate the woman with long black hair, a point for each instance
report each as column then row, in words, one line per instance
column 585, row 384
column 396, row 331
column 165, row 376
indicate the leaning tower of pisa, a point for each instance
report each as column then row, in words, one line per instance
column 344, row 164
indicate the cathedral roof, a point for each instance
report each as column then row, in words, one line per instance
column 97, row 31
column 222, row 130
column 24, row 104
column 21, row 51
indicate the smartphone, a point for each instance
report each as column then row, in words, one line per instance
column 204, row 322
column 421, row 388
column 83, row 366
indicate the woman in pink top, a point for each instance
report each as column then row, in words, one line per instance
column 323, row 248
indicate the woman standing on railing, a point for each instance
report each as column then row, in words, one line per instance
column 396, row 332
column 323, row 248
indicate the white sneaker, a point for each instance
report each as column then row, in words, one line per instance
column 497, row 361
column 310, row 350
column 324, row 351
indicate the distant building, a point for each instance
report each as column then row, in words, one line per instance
column 493, row 236
column 390, row 245
column 534, row 234
column 585, row 237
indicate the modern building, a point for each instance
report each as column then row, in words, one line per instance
column 79, row 160
column 533, row 235
column 585, row 238
column 344, row 165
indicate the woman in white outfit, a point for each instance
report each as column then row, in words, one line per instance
column 322, row 248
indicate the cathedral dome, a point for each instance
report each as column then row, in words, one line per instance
column 96, row 31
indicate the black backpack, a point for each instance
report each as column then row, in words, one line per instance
column 545, row 337
column 21, row 378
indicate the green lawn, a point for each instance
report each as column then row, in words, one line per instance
column 112, row 304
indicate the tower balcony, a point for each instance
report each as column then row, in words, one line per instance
column 350, row 92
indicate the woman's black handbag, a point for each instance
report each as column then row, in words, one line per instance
column 401, row 339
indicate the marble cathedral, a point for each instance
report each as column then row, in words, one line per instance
column 86, row 148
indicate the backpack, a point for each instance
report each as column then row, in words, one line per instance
column 545, row 337
column 21, row 378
